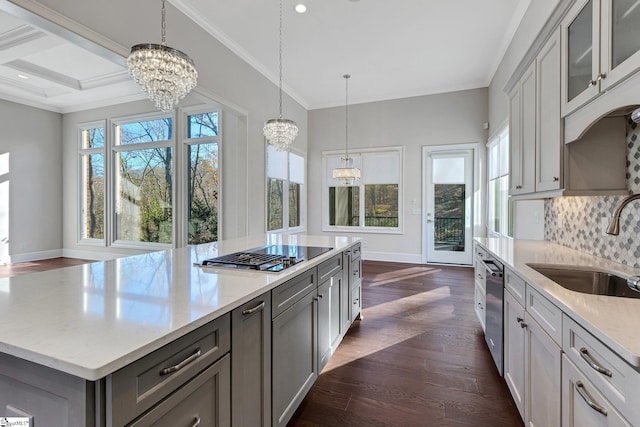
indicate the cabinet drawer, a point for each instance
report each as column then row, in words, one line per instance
column 356, row 251
column 479, row 252
column 480, row 300
column 356, row 302
column 481, row 275
column 615, row 379
column 545, row 313
column 582, row 402
column 356, row 272
column 203, row 401
column 329, row 267
column 514, row 284
column 292, row 291
column 137, row 387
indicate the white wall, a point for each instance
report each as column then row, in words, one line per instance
column 450, row 118
column 33, row 140
column 221, row 74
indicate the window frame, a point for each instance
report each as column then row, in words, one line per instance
column 115, row 149
column 179, row 144
column 80, row 128
column 285, row 194
column 184, row 165
column 362, row 227
column 506, row 207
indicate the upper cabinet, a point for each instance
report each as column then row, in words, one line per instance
column 600, row 48
column 535, row 133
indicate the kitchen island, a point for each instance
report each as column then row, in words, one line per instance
column 79, row 327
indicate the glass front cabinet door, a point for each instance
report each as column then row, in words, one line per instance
column 601, row 47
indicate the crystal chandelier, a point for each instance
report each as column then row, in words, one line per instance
column 165, row 74
column 280, row 132
column 348, row 173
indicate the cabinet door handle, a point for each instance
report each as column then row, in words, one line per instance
column 254, row 309
column 594, row 365
column 592, row 83
column 588, row 399
column 518, row 187
column 556, row 179
column 601, row 76
column 196, row 422
column 521, row 321
column 185, row 362
column 320, row 296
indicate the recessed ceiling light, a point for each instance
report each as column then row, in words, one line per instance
column 22, row 76
column 301, row 7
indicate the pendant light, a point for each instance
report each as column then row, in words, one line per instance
column 165, row 74
column 347, row 173
column 280, row 132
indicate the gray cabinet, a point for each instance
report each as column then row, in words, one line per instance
column 139, row 386
column 251, row 363
column 49, row 397
column 203, row 401
column 354, row 282
column 330, row 305
column 294, row 352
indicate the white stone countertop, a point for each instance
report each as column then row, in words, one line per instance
column 613, row 320
column 91, row 320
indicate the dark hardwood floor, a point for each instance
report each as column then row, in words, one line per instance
column 17, row 269
column 418, row 357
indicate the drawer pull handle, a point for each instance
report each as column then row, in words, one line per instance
column 588, row 399
column 254, row 309
column 185, row 362
column 594, row 365
column 196, row 422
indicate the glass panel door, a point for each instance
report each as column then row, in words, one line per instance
column 580, row 52
column 448, row 196
column 625, row 28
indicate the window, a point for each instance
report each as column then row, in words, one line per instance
column 204, row 177
column 92, row 184
column 372, row 202
column 500, row 208
column 144, row 180
column 130, row 193
column 285, row 190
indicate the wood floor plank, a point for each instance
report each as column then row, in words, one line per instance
column 417, row 359
column 17, row 269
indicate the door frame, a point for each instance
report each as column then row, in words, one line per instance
column 475, row 195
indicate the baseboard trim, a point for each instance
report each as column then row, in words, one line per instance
column 93, row 255
column 35, row 256
column 392, row 257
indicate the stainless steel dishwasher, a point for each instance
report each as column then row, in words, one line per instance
column 494, row 309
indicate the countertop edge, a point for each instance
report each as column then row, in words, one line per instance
column 531, row 277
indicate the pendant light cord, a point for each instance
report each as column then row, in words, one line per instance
column 346, row 102
column 280, row 59
column 163, row 31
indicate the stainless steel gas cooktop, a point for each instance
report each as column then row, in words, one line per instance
column 272, row 258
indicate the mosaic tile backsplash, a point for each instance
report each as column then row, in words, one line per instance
column 577, row 222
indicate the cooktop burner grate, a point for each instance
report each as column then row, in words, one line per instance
column 246, row 259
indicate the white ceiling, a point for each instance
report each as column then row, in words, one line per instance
column 392, row 49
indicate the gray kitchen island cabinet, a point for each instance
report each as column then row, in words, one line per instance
column 155, row 339
column 251, row 363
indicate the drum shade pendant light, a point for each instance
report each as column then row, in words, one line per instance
column 165, row 74
column 347, row 173
column 280, row 132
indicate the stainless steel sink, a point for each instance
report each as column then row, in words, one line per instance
column 582, row 279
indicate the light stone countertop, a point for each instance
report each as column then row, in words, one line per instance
column 91, row 320
column 613, row 320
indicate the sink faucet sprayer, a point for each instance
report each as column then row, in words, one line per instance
column 614, row 227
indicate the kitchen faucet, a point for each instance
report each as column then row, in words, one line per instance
column 614, row 227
